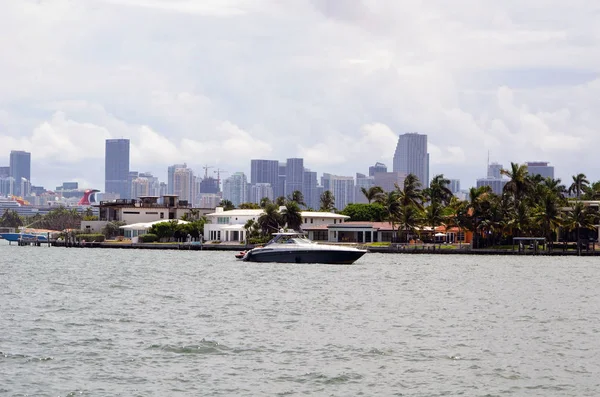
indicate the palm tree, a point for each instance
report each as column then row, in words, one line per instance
column 391, row 204
column 227, row 205
column 547, row 215
column 374, row 193
column 280, row 201
column 270, row 220
column 297, row 197
column 291, row 216
column 11, row 218
column 438, row 190
column 519, row 184
column 327, row 201
column 579, row 184
column 264, row 201
column 410, row 193
column 579, row 217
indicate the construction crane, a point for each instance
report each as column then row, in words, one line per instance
column 219, row 171
column 206, row 167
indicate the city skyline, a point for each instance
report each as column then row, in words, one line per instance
column 519, row 80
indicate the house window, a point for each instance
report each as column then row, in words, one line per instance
column 223, row 220
column 311, row 220
column 320, row 235
column 132, row 212
column 305, row 220
column 162, row 215
column 460, row 236
column 151, row 213
column 334, row 221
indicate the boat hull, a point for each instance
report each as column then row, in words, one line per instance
column 337, row 257
column 14, row 237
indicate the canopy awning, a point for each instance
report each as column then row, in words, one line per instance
column 148, row 225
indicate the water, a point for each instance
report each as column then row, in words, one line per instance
column 144, row 323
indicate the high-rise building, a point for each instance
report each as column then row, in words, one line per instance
column 7, row 186
column 540, row 168
column 309, row 189
column 378, row 167
column 116, row 167
column 264, row 171
column 388, row 180
column 170, row 174
column 454, row 186
column 20, row 168
column 411, row 157
column 235, row 188
column 140, row 187
column 183, row 184
column 363, row 181
column 153, row 183
column 209, row 185
column 342, row 188
column 497, row 184
column 294, row 175
column 280, row 188
column 258, row 191
column 4, row 172
column 494, row 170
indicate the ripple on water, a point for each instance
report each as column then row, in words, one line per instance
column 205, row 347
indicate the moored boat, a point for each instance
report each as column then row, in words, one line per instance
column 293, row 247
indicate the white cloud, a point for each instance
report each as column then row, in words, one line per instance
column 224, row 81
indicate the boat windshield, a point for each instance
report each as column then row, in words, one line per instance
column 290, row 239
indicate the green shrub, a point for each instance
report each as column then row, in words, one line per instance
column 91, row 238
column 148, row 238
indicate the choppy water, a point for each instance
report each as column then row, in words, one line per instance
column 145, row 323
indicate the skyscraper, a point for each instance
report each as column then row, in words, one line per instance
column 309, row 189
column 116, row 167
column 4, row 172
column 184, row 184
column 280, row 188
column 540, row 168
column 411, row 156
column 494, row 170
column 342, row 188
column 294, row 175
column 258, row 191
column 235, row 188
column 20, row 168
column 378, row 167
column 170, row 172
column 264, row 171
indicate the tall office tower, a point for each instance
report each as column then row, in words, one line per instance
column 7, row 186
column 4, row 172
column 258, row 191
column 264, row 171
column 378, row 167
column 411, row 157
column 20, row 167
column 494, row 170
column 363, row 181
column 116, row 167
column 309, row 189
column 388, row 180
column 280, row 191
column 170, row 174
column 454, row 186
column 540, row 168
column 497, row 184
column 235, row 188
column 342, row 188
column 294, row 175
column 183, row 184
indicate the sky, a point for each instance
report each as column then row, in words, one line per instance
column 219, row 82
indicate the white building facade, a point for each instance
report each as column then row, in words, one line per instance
column 228, row 226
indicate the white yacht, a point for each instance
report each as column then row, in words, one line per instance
column 293, row 247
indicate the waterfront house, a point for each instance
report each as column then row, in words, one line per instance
column 229, row 225
column 142, row 210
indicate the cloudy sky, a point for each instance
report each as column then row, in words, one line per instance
column 219, row 82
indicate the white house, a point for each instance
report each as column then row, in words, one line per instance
column 229, row 225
